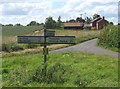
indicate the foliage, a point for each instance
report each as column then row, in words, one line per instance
column 9, row 25
column 111, row 23
column 59, row 22
column 72, row 21
column 50, row 23
column 109, row 37
column 18, row 24
column 96, row 16
column 11, row 47
column 88, row 20
column 67, row 69
column 33, row 23
column 80, row 19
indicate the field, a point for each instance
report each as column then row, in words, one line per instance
column 10, row 38
column 67, row 69
column 9, row 33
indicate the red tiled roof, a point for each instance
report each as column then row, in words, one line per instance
column 73, row 24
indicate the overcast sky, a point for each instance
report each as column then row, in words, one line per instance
column 24, row 11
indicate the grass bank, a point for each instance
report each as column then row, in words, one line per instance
column 67, row 69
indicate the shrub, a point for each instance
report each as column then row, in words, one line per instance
column 11, row 47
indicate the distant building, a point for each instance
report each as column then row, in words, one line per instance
column 99, row 23
column 76, row 25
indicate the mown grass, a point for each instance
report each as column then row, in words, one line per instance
column 67, row 69
column 18, row 30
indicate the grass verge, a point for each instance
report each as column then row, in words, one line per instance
column 109, row 48
column 66, row 69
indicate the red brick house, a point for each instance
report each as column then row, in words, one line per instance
column 99, row 23
column 75, row 25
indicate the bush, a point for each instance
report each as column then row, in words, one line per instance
column 109, row 37
column 11, row 47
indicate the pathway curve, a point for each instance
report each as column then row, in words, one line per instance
column 89, row 47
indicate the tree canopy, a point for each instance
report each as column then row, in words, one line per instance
column 50, row 23
column 96, row 16
column 33, row 23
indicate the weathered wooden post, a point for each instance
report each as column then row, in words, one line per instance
column 45, row 51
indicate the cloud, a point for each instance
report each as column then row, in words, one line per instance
column 25, row 8
column 40, row 9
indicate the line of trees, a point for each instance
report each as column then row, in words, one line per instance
column 50, row 23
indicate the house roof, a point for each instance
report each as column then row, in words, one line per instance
column 73, row 24
column 101, row 20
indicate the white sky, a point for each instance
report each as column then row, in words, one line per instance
column 24, row 11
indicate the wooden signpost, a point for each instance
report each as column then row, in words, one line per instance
column 48, row 38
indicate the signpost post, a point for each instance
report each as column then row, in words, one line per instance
column 45, row 55
column 48, row 38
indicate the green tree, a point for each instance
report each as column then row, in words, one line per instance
column 9, row 25
column 72, row 20
column 58, row 24
column 96, row 16
column 18, row 24
column 88, row 20
column 59, row 19
column 80, row 19
column 111, row 23
column 50, row 23
column 33, row 23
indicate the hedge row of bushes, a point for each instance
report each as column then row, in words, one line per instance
column 109, row 37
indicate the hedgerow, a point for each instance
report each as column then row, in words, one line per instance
column 109, row 37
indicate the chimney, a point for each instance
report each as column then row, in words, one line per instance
column 103, row 17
